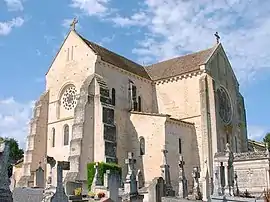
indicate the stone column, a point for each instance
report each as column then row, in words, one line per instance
column 226, row 180
column 217, row 182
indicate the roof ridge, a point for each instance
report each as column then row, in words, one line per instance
column 182, row 56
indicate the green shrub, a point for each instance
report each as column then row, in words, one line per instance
column 102, row 167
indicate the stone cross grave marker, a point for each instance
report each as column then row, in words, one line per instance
column 60, row 195
column 165, row 168
column 130, row 182
column 5, row 193
column 196, row 188
column 183, row 190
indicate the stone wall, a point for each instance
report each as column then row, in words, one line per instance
column 252, row 169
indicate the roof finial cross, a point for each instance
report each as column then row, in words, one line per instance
column 217, row 37
column 73, row 24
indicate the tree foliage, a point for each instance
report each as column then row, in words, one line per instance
column 15, row 152
column 266, row 139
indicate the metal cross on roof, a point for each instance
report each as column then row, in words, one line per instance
column 217, row 37
column 73, row 24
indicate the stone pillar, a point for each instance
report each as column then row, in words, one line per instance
column 217, row 180
column 226, row 180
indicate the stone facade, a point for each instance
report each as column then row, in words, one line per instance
column 98, row 106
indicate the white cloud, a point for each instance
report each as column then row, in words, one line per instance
column 257, row 132
column 91, row 7
column 14, row 5
column 6, row 27
column 139, row 19
column 175, row 27
column 14, row 118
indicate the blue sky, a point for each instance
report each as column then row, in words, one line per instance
column 143, row 30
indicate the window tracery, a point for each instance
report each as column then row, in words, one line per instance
column 69, row 98
column 225, row 108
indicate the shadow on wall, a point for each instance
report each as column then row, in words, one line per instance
column 133, row 145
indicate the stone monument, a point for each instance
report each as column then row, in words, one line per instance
column 130, row 185
column 5, row 193
column 165, row 169
column 183, row 190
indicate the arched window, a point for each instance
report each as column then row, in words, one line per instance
column 113, row 96
column 53, row 137
column 139, row 104
column 142, row 146
column 66, row 135
column 180, row 146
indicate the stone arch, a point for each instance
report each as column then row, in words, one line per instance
column 66, row 134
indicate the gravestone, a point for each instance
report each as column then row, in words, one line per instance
column 196, row 195
column 165, row 169
column 183, row 189
column 60, row 195
column 156, row 190
column 96, row 180
column 40, row 183
column 112, row 183
column 26, row 194
column 130, row 185
column 5, row 193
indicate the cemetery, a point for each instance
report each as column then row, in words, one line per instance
column 105, row 183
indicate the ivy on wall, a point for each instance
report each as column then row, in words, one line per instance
column 102, row 167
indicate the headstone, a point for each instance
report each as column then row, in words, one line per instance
column 112, row 182
column 156, row 190
column 196, row 195
column 165, row 168
column 130, row 182
column 60, row 195
column 5, row 193
column 130, row 186
column 183, row 190
column 26, row 194
column 40, row 177
column 96, row 181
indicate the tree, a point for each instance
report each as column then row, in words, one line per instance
column 15, row 153
column 266, row 139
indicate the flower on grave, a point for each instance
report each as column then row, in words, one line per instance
column 78, row 192
column 101, row 195
column 91, row 194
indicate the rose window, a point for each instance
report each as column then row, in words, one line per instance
column 225, row 107
column 69, row 98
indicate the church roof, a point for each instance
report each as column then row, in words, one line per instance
column 117, row 60
column 165, row 69
column 179, row 65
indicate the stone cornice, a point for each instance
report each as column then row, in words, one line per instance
column 180, row 77
column 258, row 155
column 63, row 119
column 101, row 62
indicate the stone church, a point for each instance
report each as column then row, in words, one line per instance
column 98, row 105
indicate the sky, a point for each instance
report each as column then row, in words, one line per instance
column 145, row 31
